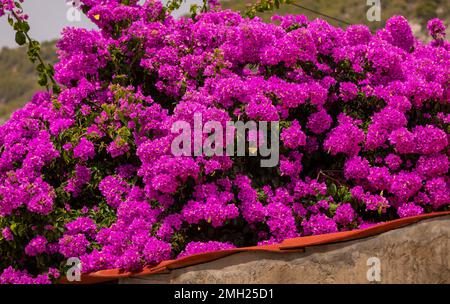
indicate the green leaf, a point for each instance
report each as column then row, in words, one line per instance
column 25, row 27
column 21, row 39
column 332, row 189
column 124, row 132
column 40, row 68
column 333, row 208
column 56, row 89
column 43, row 81
column 347, row 197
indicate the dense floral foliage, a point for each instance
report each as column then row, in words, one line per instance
column 88, row 172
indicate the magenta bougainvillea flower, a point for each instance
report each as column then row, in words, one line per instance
column 88, row 172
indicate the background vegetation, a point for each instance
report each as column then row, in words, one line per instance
column 18, row 77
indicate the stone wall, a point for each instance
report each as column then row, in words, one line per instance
column 417, row 253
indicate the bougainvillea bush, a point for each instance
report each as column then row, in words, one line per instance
column 86, row 170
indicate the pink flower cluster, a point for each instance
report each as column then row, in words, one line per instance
column 89, row 172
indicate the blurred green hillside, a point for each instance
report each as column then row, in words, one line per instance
column 18, row 77
column 18, row 80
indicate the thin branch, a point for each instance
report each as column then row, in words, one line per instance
column 38, row 55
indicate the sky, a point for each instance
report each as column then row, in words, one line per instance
column 49, row 17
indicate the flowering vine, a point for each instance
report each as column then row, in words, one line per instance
column 89, row 173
